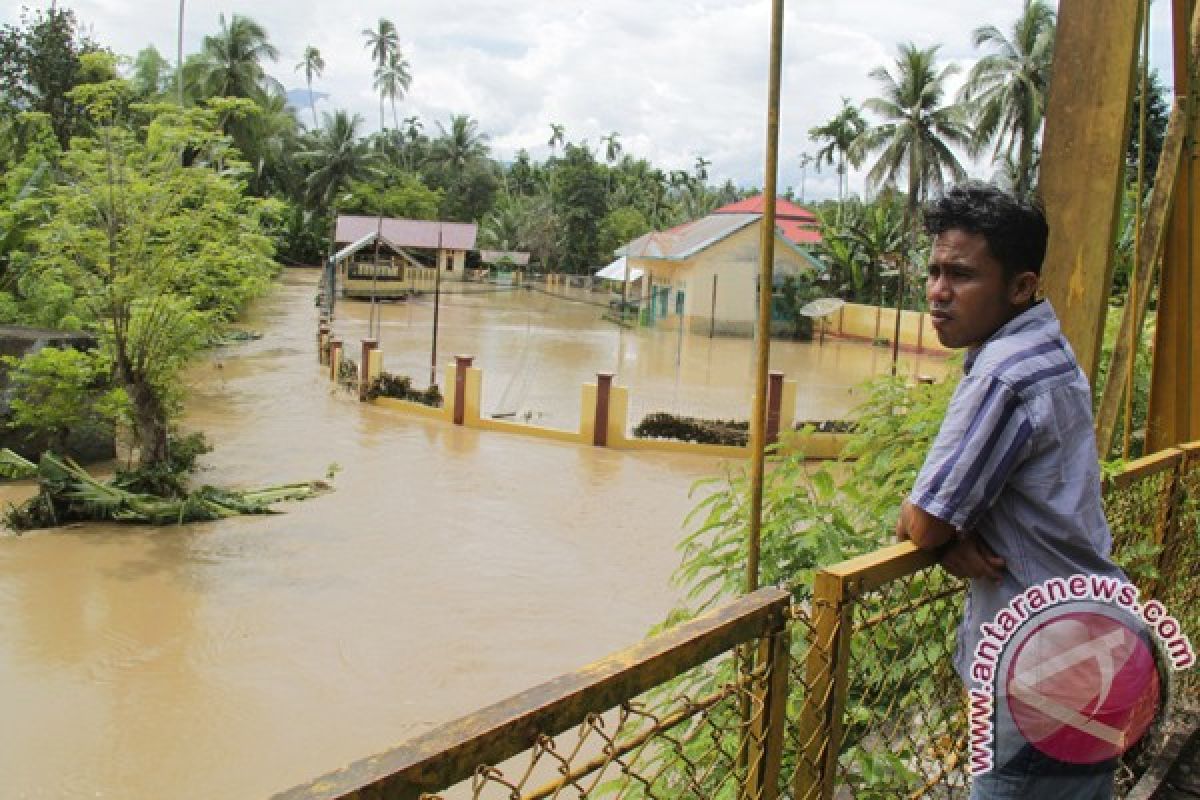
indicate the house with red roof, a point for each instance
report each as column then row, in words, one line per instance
column 704, row 274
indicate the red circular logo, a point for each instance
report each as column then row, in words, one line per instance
column 1083, row 687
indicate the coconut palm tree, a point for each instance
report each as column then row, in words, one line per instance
column 383, row 42
column 459, row 145
column 392, row 80
column 612, row 147
column 914, row 139
column 701, row 169
column 312, row 64
column 556, row 137
column 336, row 155
column 1007, row 89
column 230, row 63
column 918, row 128
column 838, row 135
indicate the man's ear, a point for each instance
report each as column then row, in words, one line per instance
column 1023, row 289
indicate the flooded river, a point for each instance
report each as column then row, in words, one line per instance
column 449, row 569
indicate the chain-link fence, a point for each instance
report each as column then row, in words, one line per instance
column 848, row 693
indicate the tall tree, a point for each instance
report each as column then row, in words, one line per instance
column 917, row 129
column 701, row 169
column 40, row 64
column 460, row 144
column 392, row 80
column 1007, row 89
column 336, row 156
column 153, row 256
column 838, row 136
column 612, row 147
column 231, row 61
column 557, row 133
column 383, row 42
column 313, row 65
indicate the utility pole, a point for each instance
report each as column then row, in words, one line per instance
column 437, row 297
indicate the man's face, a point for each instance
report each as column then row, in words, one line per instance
column 969, row 295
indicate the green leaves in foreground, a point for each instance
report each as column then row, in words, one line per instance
column 814, row 513
column 68, row 493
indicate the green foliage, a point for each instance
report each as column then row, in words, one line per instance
column 619, row 227
column 813, row 515
column 40, row 64
column 1158, row 112
column 68, row 493
column 396, row 194
column 150, row 255
column 580, row 201
column 793, row 294
column 401, row 388
column 167, row 478
column 664, row 425
column 60, row 390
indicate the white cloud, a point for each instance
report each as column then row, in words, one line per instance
column 676, row 78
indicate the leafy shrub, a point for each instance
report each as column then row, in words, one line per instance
column 664, row 425
column 401, row 388
column 347, row 374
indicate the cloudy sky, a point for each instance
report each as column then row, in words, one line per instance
column 676, row 79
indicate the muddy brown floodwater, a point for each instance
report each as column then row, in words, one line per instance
column 536, row 349
column 449, row 569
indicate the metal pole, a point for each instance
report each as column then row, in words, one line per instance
column 437, row 299
column 712, row 314
column 1131, row 293
column 765, row 284
column 179, row 55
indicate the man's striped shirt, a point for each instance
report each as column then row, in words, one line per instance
column 1015, row 462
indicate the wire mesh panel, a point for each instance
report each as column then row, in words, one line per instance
column 904, row 732
column 695, row 737
column 1179, row 589
column 1137, row 503
column 691, row 713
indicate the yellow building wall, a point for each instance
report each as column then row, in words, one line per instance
column 859, row 321
column 734, row 263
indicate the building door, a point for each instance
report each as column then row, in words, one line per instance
column 679, row 297
column 661, row 293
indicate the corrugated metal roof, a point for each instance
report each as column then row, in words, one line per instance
column 407, row 232
column 495, row 256
column 798, row 224
column 362, row 242
column 754, row 205
column 688, row 239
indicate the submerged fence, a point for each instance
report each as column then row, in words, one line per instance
column 838, row 688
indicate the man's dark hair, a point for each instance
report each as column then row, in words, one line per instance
column 1015, row 230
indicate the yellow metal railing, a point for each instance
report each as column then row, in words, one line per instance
column 848, row 693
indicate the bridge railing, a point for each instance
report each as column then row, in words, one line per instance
column 840, row 688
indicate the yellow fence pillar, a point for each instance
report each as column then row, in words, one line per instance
column 1175, row 385
column 1083, row 162
column 370, row 355
column 335, row 358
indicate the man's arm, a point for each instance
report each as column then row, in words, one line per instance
column 962, row 555
column 922, row 528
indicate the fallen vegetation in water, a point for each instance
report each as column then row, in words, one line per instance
column 69, row 493
column 401, row 388
column 733, row 432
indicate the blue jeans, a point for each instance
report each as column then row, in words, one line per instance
column 1033, row 775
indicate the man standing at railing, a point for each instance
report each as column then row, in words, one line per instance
column 1010, row 493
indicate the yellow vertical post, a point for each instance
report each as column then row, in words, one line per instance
column 1083, row 162
column 1175, row 382
column 825, row 675
column 766, row 264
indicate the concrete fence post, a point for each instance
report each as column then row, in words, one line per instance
column 461, row 365
column 369, row 346
column 322, row 339
column 335, row 358
column 774, row 404
column 600, row 427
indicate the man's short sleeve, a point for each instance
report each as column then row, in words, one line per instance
column 985, row 435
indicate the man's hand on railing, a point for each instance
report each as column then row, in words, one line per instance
column 968, row 557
